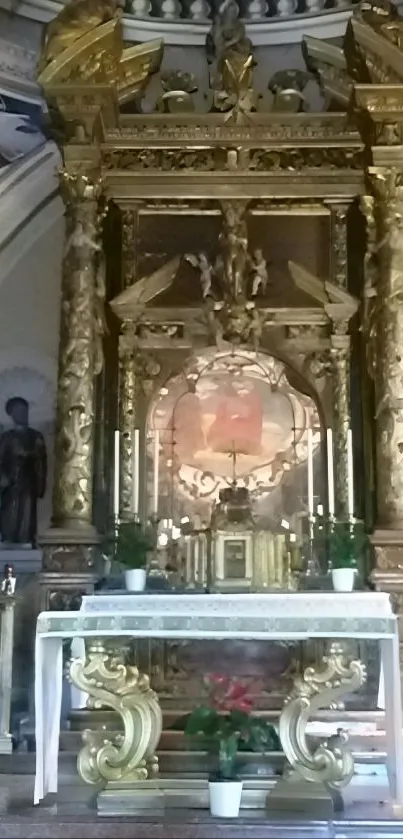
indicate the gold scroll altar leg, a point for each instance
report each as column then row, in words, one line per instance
column 127, row 756
column 68, row 546
column 316, row 771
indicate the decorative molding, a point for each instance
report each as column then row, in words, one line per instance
column 17, row 61
column 188, row 33
column 30, row 203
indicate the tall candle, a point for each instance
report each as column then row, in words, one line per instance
column 330, row 471
column 135, row 472
column 350, row 473
column 310, row 472
column 156, row 470
column 116, row 505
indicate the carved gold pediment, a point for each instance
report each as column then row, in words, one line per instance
column 328, row 63
column 337, row 302
column 130, row 302
column 136, row 65
column 92, row 57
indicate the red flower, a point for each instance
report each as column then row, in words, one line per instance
column 228, row 694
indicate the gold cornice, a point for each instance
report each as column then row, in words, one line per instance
column 164, row 130
column 380, row 101
column 321, row 184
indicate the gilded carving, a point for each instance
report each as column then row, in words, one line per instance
column 330, row 762
column 340, row 366
column 80, row 355
column 369, row 307
column 75, row 19
column 217, row 159
column 230, row 57
column 338, row 217
column 111, row 683
column 128, row 396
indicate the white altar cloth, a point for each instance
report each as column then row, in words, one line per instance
column 271, row 617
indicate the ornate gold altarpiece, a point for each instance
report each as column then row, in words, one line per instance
column 234, row 162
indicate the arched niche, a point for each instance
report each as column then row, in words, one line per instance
column 235, row 414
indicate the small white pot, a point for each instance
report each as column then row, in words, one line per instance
column 343, row 579
column 135, row 579
column 225, row 798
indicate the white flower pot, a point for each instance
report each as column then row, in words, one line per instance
column 343, row 579
column 225, row 798
column 135, row 579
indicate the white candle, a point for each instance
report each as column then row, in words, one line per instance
column 350, row 473
column 310, row 472
column 330, row 471
column 116, row 505
column 156, row 470
column 135, row 471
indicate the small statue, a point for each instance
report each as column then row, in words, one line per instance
column 230, row 56
column 79, row 237
column 8, row 581
column 201, row 262
column 23, row 470
column 260, row 276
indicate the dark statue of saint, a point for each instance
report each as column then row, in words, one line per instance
column 23, row 471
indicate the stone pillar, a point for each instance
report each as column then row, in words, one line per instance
column 69, row 545
column 338, row 244
column 340, row 366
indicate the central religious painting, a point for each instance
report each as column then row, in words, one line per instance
column 232, row 416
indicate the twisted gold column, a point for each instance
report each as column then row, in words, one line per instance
column 340, row 361
column 127, row 422
column 338, row 238
column 79, row 355
column 388, row 320
column 128, row 384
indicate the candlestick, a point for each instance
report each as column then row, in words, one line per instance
column 310, row 472
column 135, row 471
column 330, row 472
column 116, row 481
column 350, row 474
column 156, row 470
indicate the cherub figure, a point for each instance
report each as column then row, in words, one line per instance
column 201, row 262
column 260, row 276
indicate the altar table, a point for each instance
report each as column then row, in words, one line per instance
column 271, row 617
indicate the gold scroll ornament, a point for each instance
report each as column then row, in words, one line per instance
column 111, row 683
column 330, row 762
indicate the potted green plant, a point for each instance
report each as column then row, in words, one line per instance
column 225, row 725
column 346, row 543
column 131, row 546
